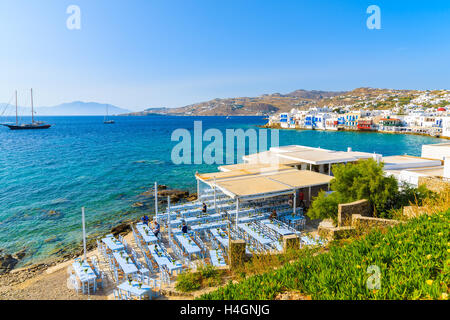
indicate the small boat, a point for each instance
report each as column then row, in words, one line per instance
column 28, row 126
column 105, row 120
column 34, row 125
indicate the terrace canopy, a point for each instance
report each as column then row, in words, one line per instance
column 254, row 168
column 242, row 186
column 307, row 157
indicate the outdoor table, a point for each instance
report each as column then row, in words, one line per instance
column 293, row 221
column 254, row 218
column 127, row 267
column 163, row 260
column 133, row 289
column 260, row 238
column 188, row 244
column 219, row 237
column 311, row 241
column 194, row 220
column 278, row 245
column 113, row 244
column 83, row 275
column 215, row 255
column 146, row 233
column 218, row 224
column 278, row 229
column 197, row 205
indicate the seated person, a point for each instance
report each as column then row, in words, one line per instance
column 273, row 215
column 145, row 220
column 291, row 203
column 302, row 205
column 184, row 228
column 156, row 229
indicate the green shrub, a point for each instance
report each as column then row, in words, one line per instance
column 413, row 259
column 204, row 276
column 365, row 180
column 208, row 271
column 188, row 281
column 325, row 206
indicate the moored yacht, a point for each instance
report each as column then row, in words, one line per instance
column 26, row 126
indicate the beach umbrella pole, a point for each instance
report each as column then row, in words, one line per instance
column 198, row 188
column 295, row 201
column 215, row 203
column 237, row 211
column 156, row 199
column 168, row 219
column 84, row 232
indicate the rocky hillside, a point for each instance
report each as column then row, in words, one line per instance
column 269, row 104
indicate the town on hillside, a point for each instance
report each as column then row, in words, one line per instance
column 425, row 112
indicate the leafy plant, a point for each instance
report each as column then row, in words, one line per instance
column 205, row 276
column 413, row 259
column 365, row 180
column 188, row 281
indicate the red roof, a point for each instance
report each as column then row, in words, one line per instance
column 441, row 109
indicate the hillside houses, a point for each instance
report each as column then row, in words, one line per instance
column 414, row 119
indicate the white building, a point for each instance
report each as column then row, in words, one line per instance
column 446, row 127
column 436, row 151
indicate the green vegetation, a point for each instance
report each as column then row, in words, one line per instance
column 442, row 104
column 413, row 259
column 364, row 180
column 205, row 276
column 404, row 100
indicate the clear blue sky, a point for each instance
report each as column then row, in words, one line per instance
column 154, row 53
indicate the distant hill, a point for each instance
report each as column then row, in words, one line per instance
column 263, row 105
column 148, row 112
column 269, row 104
column 314, row 94
column 76, row 108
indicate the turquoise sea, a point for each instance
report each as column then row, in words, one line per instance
column 46, row 176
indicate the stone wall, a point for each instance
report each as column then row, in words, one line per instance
column 434, row 184
column 236, row 253
column 352, row 218
column 291, row 241
column 410, row 212
column 335, row 233
column 346, row 210
column 361, row 222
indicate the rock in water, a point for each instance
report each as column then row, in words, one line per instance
column 121, row 229
column 20, row 254
column 175, row 195
column 192, row 197
column 7, row 263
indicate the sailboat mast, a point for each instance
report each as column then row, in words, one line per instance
column 17, row 119
column 32, row 109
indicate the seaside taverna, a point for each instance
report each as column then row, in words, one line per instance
column 258, row 205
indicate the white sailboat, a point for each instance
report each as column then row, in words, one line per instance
column 27, row 126
column 105, row 120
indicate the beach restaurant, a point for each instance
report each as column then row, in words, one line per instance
column 258, row 182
